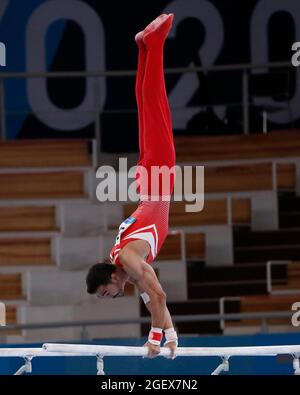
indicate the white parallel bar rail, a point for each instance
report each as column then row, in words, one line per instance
column 223, row 352
column 66, row 350
column 121, row 351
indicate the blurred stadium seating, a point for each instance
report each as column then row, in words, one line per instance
column 52, row 228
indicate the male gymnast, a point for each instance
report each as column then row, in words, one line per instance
column 141, row 235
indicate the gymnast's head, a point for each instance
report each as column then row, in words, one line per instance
column 105, row 280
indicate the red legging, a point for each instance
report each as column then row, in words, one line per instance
column 155, row 125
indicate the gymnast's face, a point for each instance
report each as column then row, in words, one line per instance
column 115, row 289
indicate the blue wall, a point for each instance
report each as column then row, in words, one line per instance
column 162, row 366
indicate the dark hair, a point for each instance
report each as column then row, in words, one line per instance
column 99, row 274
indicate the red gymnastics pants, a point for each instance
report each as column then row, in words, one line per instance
column 156, row 141
column 149, row 222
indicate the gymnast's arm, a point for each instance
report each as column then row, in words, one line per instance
column 168, row 320
column 146, row 279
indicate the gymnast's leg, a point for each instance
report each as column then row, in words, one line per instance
column 139, row 98
column 158, row 140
